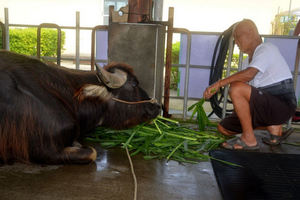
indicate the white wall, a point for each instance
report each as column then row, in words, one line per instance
column 195, row 15
column 61, row 12
column 218, row 15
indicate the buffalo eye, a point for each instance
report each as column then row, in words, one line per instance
column 134, row 84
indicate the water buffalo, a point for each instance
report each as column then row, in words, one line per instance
column 44, row 108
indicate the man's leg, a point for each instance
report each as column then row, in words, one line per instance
column 273, row 130
column 240, row 94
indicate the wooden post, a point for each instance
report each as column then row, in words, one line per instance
column 139, row 10
column 168, row 63
column 111, row 10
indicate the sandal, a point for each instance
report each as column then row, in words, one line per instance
column 239, row 141
column 278, row 139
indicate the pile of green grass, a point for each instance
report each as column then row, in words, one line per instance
column 162, row 138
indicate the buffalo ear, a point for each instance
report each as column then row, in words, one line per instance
column 95, row 91
column 112, row 80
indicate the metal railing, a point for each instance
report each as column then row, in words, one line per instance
column 187, row 65
column 77, row 29
column 96, row 28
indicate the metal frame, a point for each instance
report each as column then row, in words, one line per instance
column 187, row 66
column 100, row 27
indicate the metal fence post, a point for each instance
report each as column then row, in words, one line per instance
column 6, row 29
column 187, row 67
column 100, row 27
column 230, row 53
column 48, row 25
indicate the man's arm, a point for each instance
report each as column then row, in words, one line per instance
column 243, row 76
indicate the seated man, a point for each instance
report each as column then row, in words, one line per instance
column 262, row 93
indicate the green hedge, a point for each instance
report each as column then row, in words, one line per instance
column 175, row 75
column 24, row 41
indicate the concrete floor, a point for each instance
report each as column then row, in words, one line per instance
column 110, row 177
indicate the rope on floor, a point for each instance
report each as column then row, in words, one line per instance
column 133, row 174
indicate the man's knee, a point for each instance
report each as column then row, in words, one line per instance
column 239, row 89
column 235, row 87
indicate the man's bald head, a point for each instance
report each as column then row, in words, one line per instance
column 246, row 25
column 246, row 36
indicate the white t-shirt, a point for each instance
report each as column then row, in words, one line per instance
column 270, row 63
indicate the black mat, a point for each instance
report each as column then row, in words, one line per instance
column 264, row 176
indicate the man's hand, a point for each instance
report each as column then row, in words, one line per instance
column 211, row 90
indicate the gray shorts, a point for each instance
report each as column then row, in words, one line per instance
column 265, row 110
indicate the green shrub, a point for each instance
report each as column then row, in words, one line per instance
column 24, row 41
column 234, row 64
column 175, row 70
column 175, row 52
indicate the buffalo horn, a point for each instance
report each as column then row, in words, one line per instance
column 112, row 80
